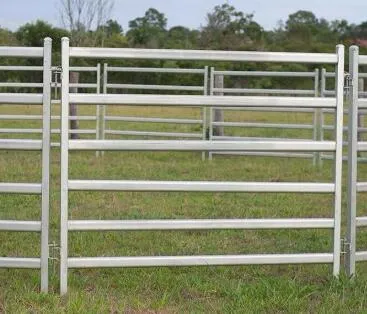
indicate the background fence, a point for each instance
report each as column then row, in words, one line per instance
column 217, row 123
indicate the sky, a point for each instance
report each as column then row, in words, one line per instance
column 189, row 13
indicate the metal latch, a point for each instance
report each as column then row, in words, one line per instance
column 345, row 246
column 57, row 71
column 348, row 82
column 54, row 254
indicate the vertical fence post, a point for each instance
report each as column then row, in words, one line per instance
column 102, row 117
column 98, row 108
column 316, row 119
column 352, row 161
column 46, row 144
column 322, row 116
column 338, row 162
column 74, row 79
column 204, row 109
column 360, row 114
column 218, row 112
column 64, row 166
column 211, row 92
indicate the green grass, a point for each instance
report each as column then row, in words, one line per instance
column 250, row 289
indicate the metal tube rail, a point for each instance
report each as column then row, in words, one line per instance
column 156, row 70
column 170, row 145
column 23, row 52
column 265, row 125
column 199, row 224
column 201, row 55
column 265, row 73
column 156, row 87
column 201, row 101
column 199, row 186
column 199, row 260
column 264, row 91
column 153, row 120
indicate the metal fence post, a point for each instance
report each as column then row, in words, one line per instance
column 211, row 118
column 360, row 114
column 204, row 110
column 316, row 119
column 352, row 161
column 98, row 108
column 339, row 88
column 46, row 147
column 64, row 165
column 322, row 116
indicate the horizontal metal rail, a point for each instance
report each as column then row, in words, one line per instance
column 170, row 145
column 24, row 52
column 256, row 139
column 13, row 98
column 199, row 260
column 39, row 131
column 264, row 125
column 153, row 120
column 20, row 68
column 17, row 225
column 204, row 55
column 199, row 186
column 20, row 262
column 361, row 186
column 207, row 101
column 266, row 154
column 21, row 188
column 361, row 221
column 39, row 117
column 199, row 224
column 264, row 91
column 21, row 84
column 15, row 144
column 156, row 87
column 362, row 60
column 264, row 73
column 153, row 134
column 156, row 70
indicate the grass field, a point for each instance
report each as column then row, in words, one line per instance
column 250, row 289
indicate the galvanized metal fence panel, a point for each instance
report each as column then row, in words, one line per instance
column 355, row 146
column 42, row 188
column 67, row 185
column 314, row 127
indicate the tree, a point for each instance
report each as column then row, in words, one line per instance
column 180, row 37
column 149, row 30
column 7, row 38
column 33, row 34
column 82, row 16
column 230, row 29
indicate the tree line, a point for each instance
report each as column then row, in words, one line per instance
column 226, row 28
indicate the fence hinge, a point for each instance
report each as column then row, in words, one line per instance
column 345, row 246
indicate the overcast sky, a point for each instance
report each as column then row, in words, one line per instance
column 190, row 13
